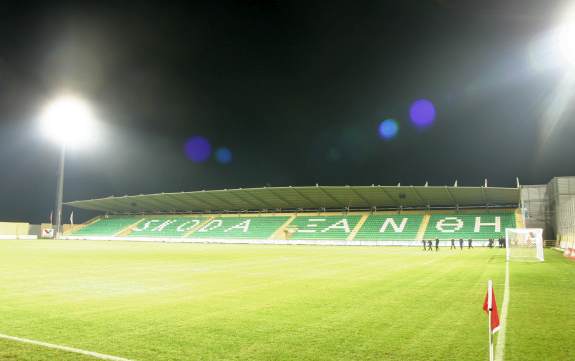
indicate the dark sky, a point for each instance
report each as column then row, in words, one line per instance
column 296, row 90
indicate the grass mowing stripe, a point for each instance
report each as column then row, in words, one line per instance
column 64, row 348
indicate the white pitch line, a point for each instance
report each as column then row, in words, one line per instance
column 500, row 350
column 97, row 355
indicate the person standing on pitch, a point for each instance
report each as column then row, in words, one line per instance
column 453, row 244
column 469, row 241
column 424, row 245
column 436, row 244
column 429, row 245
column 491, row 242
column 461, row 243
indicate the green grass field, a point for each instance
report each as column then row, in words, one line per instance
column 158, row 301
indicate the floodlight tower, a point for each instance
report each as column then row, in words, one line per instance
column 69, row 122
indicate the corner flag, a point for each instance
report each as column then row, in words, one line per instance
column 490, row 305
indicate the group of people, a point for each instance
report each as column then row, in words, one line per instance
column 428, row 244
column 500, row 241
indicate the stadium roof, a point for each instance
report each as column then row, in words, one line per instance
column 314, row 197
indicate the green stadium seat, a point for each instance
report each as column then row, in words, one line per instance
column 261, row 227
column 166, row 226
column 323, row 227
column 106, row 226
column 477, row 225
column 393, row 227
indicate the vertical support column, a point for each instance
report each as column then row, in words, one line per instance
column 60, row 192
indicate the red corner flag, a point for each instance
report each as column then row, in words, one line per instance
column 490, row 305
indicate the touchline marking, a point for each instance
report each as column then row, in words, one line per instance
column 100, row 356
column 500, row 350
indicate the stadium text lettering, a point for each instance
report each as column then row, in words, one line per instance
column 315, row 222
column 157, row 225
column 396, row 228
column 454, row 224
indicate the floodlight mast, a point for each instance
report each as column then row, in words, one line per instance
column 60, row 191
column 67, row 121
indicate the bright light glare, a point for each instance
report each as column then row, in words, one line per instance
column 565, row 37
column 68, row 120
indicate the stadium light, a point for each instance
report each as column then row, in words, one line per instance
column 68, row 121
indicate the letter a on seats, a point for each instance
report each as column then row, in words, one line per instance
column 244, row 226
column 341, row 224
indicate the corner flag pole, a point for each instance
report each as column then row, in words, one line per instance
column 489, row 308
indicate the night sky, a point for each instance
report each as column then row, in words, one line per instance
column 295, row 90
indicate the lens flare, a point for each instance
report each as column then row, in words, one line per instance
column 223, row 155
column 388, row 129
column 565, row 36
column 198, row 149
column 422, row 113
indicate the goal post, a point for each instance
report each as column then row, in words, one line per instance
column 524, row 243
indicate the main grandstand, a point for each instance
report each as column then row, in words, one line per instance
column 349, row 215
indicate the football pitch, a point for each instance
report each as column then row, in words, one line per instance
column 163, row 301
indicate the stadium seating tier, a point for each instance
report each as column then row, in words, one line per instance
column 445, row 225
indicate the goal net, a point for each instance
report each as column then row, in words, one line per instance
column 524, row 243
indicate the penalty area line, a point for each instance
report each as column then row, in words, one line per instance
column 97, row 355
column 500, row 350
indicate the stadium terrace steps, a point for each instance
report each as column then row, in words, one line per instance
column 410, row 226
column 357, row 227
column 280, row 233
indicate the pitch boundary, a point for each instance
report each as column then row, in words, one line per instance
column 500, row 350
column 97, row 355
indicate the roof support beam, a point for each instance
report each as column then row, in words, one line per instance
column 303, row 197
column 222, row 200
column 173, row 197
column 271, row 190
column 452, row 197
column 360, row 196
column 328, row 195
column 237, row 196
column 262, row 203
column 160, row 205
column 164, row 202
column 484, row 196
column 145, row 203
column 419, row 195
column 389, row 196
column 197, row 198
column 117, row 206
